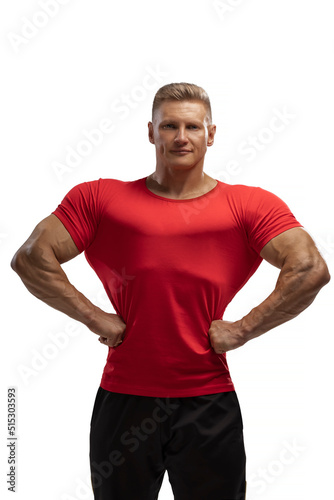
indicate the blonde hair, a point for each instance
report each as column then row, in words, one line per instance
column 181, row 92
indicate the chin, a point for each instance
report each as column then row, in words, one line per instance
column 180, row 163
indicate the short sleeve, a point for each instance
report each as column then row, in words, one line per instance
column 79, row 212
column 267, row 216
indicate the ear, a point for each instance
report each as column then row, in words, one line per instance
column 211, row 134
column 150, row 132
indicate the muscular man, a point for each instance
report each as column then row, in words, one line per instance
column 171, row 249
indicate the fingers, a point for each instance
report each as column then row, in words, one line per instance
column 109, row 342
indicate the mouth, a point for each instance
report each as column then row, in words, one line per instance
column 180, row 151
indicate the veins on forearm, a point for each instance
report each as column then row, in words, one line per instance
column 295, row 290
column 44, row 277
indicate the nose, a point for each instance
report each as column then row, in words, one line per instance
column 181, row 136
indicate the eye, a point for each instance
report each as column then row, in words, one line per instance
column 193, row 127
column 169, row 125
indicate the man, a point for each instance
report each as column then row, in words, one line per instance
column 171, row 249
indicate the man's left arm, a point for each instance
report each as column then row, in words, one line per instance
column 303, row 273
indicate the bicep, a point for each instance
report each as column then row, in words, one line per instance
column 294, row 245
column 51, row 235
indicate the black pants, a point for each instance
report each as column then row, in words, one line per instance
column 198, row 440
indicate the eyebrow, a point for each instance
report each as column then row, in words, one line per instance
column 174, row 122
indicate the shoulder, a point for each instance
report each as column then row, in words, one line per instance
column 101, row 186
column 110, row 183
column 103, row 189
column 238, row 196
column 243, row 189
column 250, row 196
column 115, row 187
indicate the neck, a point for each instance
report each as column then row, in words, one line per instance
column 178, row 183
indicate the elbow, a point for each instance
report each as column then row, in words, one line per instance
column 311, row 272
column 24, row 259
column 18, row 262
column 32, row 258
column 320, row 274
column 324, row 275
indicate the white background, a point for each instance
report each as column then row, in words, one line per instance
column 253, row 57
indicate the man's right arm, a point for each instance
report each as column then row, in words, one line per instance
column 38, row 263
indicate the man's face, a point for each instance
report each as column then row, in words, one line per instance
column 181, row 133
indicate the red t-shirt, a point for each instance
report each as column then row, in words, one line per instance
column 170, row 267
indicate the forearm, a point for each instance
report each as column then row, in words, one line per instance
column 295, row 290
column 44, row 277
